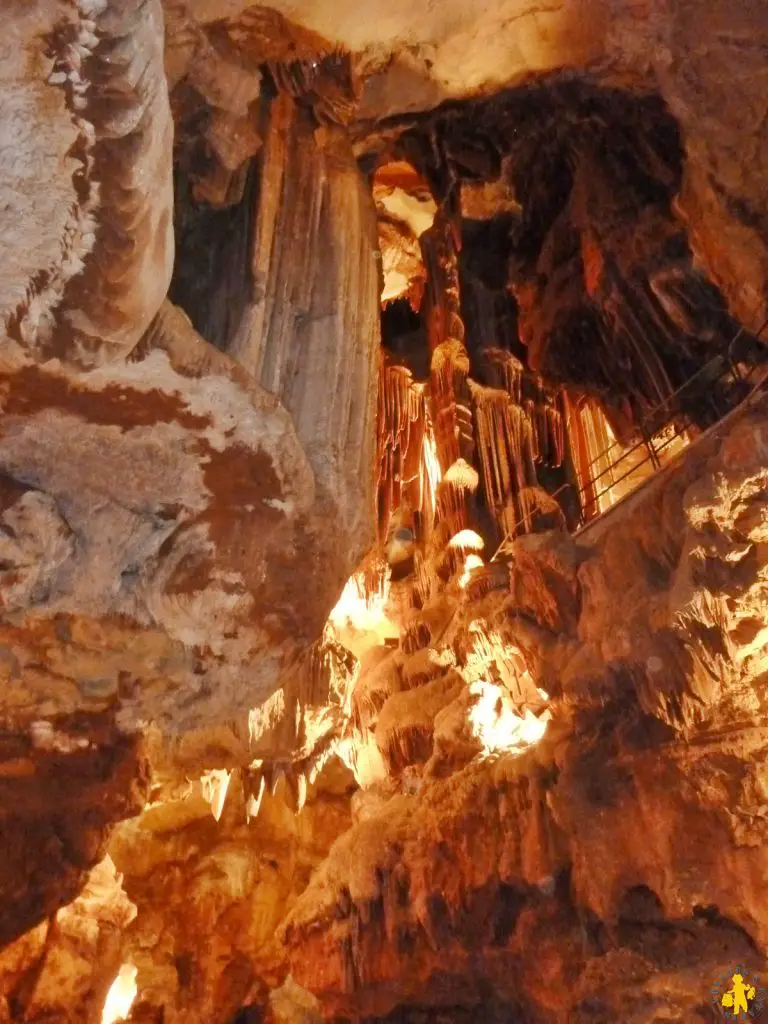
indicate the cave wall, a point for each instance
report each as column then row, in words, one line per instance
column 150, row 486
column 177, row 520
column 707, row 59
column 711, row 61
column 618, row 868
column 614, row 869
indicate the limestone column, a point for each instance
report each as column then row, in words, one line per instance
column 449, row 369
column 311, row 336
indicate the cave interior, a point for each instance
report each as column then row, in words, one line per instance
column 382, row 507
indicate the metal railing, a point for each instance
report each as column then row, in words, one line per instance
column 659, row 428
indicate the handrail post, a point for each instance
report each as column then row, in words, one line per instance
column 589, row 508
column 648, row 441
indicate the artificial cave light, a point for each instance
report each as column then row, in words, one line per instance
column 121, row 995
column 495, row 724
column 359, row 619
column 358, row 606
column 430, row 471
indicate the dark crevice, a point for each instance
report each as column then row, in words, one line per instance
column 212, row 280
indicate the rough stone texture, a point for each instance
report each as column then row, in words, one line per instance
column 87, row 181
column 135, row 557
column 422, row 54
column 615, row 870
column 194, row 908
column 210, row 896
column 619, row 868
column 63, row 786
column 177, row 520
column 711, row 64
column 707, row 59
column 71, row 959
column 169, row 544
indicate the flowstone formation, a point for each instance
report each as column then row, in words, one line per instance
column 382, row 511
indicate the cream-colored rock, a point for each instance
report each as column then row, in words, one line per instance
column 86, row 183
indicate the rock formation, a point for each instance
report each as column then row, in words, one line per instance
column 382, row 511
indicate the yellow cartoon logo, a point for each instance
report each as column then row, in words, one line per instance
column 739, row 996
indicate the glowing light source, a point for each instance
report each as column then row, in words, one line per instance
column 360, row 607
column 607, row 470
column 496, row 725
column 215, row 784
column 360, row 620
column 430, row 473
column 121, row 995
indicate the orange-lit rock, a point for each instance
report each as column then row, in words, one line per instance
column 382, row 563
column 640, row 804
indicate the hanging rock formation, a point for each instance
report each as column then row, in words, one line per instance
column 606, row 871
column 382, row 511
column 151, row 486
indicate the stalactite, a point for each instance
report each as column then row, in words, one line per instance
column 255, row 786
column 492, row 655
column 584, row 452
column 401, row 424
column 547, row 423
column 424, row 580
column 328, row 675
column 539, row 400
column 507, row 452
column 407, row 745
column 458, row 484
column 429, row 479
column 607, row 470
column 308, row 334
column 445, row 334
column 325, row 82
column 493, row 576
column 415, row 637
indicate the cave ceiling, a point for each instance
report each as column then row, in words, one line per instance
column 383, row 500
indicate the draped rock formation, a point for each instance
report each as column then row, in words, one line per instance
column 382, row 511
column 606, row 872
column 151, row 485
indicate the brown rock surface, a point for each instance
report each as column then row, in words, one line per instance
column 263, row 290
column 147, row 502
column 634, row 831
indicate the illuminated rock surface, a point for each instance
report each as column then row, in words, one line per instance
column 332, row 684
